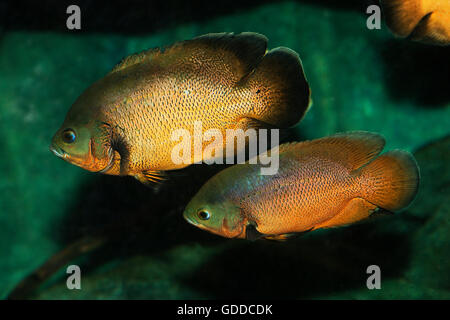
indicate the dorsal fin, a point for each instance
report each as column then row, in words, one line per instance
column 246, row 48
column 352, row 149
column 230, row 54
column 136, row 58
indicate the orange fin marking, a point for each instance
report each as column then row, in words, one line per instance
column 284, row 237
column 148, row 177
column 278, row 237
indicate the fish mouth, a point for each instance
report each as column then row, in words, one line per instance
column 57, row 151
column 191, row 221
column 210, row 230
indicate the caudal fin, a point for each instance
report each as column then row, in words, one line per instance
column 402, row 16
column 391, row 180
column 420, row 20
column 280, row 82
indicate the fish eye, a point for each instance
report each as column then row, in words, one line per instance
column 68, row 136
column 204, row 215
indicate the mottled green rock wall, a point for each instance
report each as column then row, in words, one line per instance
column 360, row 79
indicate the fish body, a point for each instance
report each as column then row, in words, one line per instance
column 420, row 20
column 124, row 122
column 322, row 183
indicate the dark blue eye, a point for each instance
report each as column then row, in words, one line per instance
column 68, row 136
column 204, row 215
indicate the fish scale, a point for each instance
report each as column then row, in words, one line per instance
column 317, row 193
column 227, row 106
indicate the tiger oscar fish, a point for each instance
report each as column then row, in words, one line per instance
column 323, row 183
column 122, row 124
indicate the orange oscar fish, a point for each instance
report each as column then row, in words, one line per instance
column 123, row 123
column 328, row 182
column 421, row 20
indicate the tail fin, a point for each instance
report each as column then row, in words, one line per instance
column 402, row 16
column 391, row 180
column 282, row 85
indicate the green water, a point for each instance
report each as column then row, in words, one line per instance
column 361, row 80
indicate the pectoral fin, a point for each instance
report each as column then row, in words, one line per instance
column 150, row 177
column 252, row 234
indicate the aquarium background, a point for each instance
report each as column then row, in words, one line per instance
column 137, row 244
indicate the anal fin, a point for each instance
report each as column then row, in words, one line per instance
column 380, row 212
column 356, row 209
column 286, row 236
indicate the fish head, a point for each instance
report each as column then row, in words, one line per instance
column 84, row 144
column 85, row 138
column 212, row 213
